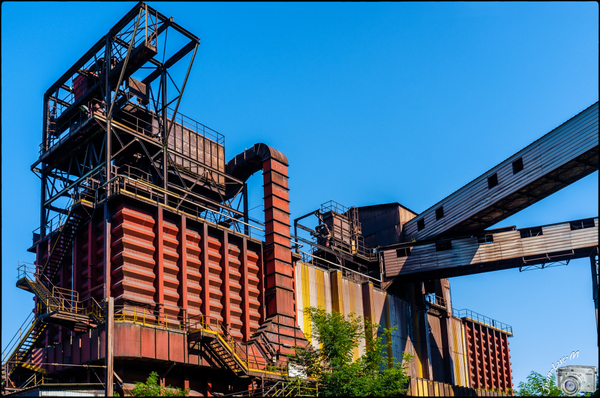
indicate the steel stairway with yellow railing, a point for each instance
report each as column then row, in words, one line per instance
column 58, row 305
column 55, row 305
column 21, row 346
column 226, row 355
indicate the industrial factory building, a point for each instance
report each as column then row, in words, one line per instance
column 147, row 258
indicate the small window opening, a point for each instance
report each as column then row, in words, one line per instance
column 492, row 180
column 531, row 232
column 517, row 165
column 485, row 238
column 581, row 224
column 439, row 212
column 441, row 246
column 403, row 252
column 421, row 224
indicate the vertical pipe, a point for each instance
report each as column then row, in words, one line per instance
column 225, row 278
column 183, row 285
column 165, row 157
column 110, row 311
column 245, row 291
column 160, row 277
column 43, row 175
column 246, row 217
column 107, row 257
column 205, row 275
column 91, row 254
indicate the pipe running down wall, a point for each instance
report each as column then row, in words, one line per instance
column 281, row 326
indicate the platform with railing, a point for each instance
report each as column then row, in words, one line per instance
column 482, row 319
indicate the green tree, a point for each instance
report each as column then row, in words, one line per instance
column 151, row 388
column 373, row 374
column 539, row 386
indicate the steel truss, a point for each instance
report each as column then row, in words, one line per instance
column 118, row 106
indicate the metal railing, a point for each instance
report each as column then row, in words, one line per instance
column 18, row 337
column 487, row 321
column 60, row 299
column 195, row 126
column 435, row 299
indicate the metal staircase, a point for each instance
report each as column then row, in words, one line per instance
column 224, row 352
column 21, row 346
column 61, row 244
column 58, row 305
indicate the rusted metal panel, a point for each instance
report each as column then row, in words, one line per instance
column 148, row 343
column 381, row 225
column 162, row 344
column 177, row 347
column 437, row 347
column 204, row 150
column 127, row 339
column 547, row 167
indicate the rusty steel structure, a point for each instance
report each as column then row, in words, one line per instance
column 147, row 259
column 145, row 249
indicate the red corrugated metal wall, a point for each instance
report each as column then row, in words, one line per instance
column 155, row 254
column 489, row 359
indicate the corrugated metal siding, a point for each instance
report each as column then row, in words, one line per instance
column 573, row 138
column 506, row 246
column 136, row 263
column 459, row 364
column 427, row 388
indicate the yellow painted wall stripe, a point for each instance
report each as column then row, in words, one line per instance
column 456, row 356
column 320, row 289
column 306, row 301
column 467, row 379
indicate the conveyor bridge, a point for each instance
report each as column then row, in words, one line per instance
column 450, row 238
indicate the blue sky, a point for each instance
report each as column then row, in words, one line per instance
column 371, row 102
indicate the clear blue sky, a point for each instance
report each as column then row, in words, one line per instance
column 371, row 102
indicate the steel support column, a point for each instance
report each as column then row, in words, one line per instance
column 110, row 323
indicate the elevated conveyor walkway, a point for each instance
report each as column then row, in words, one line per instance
column 556, row 160
column 492, row 250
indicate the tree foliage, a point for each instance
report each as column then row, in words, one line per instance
column 373, row 374
column 539, row 386
column 151, row 388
